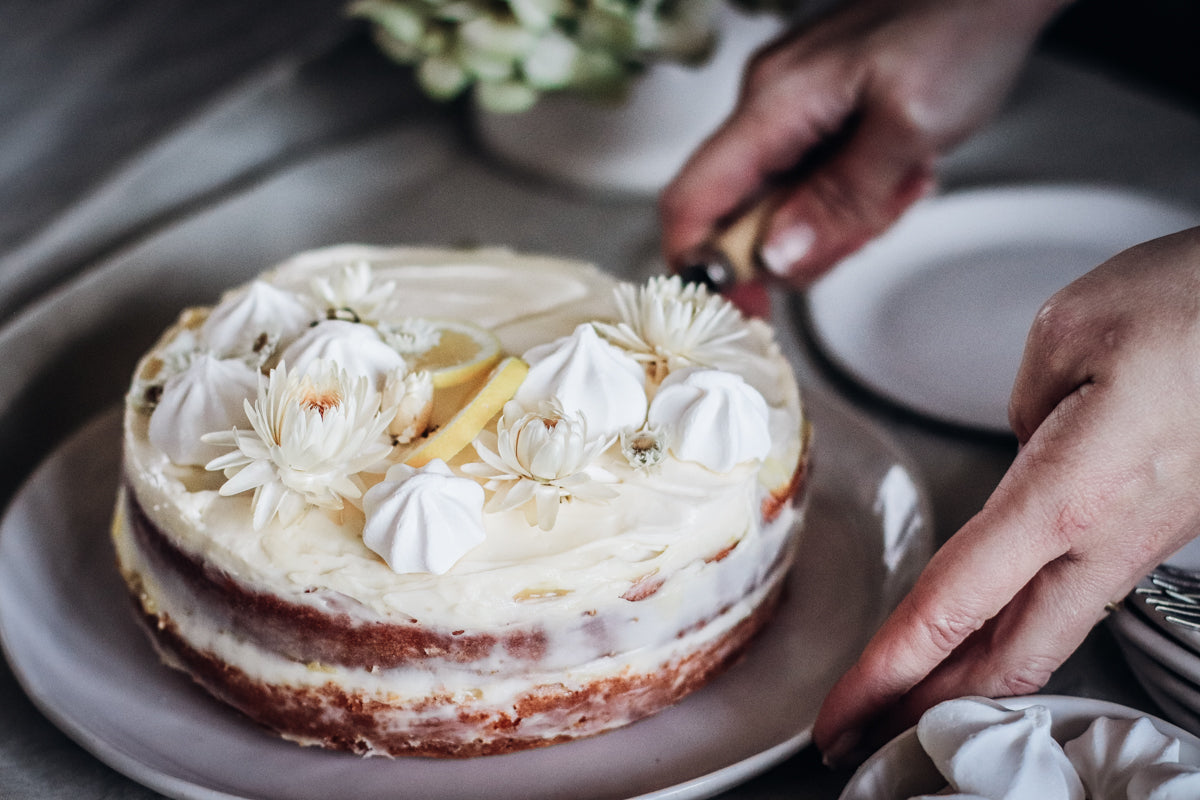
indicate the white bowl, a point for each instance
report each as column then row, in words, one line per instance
column 901, row 769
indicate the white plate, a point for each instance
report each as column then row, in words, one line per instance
column 70, row 635
column 933, row 315
column 1177, row 698
column 1129, row 627
column 901, row 769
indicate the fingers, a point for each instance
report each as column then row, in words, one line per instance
column 1055, row 362
column 1017, row 651
column 882, row 168
column 967, row 582
column 1059, row 486
column 767, row 133
column 869, row 179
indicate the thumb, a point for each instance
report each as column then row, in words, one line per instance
column 879, row 171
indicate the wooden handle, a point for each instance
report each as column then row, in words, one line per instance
column 731, row 256
column 738, row 242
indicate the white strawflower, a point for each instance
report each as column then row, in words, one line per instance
column 545, row 457
column 351, row 294
column 410, row 336
column 312, row 434
column 667, row 324
column 645, row 447
column 411, row 395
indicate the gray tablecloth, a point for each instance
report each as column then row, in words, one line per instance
column 141, row 142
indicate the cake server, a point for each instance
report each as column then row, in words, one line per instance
column 731, row 255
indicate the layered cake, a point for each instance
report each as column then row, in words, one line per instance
column 455, row 503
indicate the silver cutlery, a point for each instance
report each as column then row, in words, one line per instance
column 1175, row 593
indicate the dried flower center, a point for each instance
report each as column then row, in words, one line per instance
column 320, row 399
column 644, row 441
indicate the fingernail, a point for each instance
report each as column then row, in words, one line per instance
column 839, row 753
column 786, row 248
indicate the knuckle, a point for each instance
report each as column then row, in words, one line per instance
column 942, row 630
column 1074, row 517
column 844, row 201
column 1055, row 320
column 765, row 69
column 1026, row 677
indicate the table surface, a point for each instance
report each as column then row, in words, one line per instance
column 125, row 127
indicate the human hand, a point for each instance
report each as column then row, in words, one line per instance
column 1106, row 406
column 891, row 83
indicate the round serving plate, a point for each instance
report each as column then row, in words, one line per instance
column 68, row 629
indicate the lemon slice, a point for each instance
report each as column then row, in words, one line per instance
column 448, row 440
column 463, row 352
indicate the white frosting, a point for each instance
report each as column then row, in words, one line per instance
column 1165, row 781
column 665, row 523
column 208, row 396
column 713, row 418
column 356, row 348
column 1112, row 751
column 242, row 316
column 983, row 748
column 587, row 375
column 423, row 520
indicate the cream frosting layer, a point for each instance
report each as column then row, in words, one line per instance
column 665, row 526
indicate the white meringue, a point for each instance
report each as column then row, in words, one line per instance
column 1165, row 782
column 1111, row 751
column 423, row 520
column 711, row 417
column 984, row 748
column 209, row 395
column 239, row 320
column 587, row 375
column 356, row 348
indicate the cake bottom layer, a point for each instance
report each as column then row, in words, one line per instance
column 340, row 718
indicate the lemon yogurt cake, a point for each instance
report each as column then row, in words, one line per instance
column 452, row 503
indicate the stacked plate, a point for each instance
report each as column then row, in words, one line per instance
column 1158, row 630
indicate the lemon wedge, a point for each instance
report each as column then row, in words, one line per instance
column 449, row 439
column 463, row 353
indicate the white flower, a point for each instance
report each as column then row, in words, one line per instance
column 544, row 456
column 410, row 336
column 412, row 396
column 644, row 448
column 313, row 433
column 349, row 294
column 667, row 325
